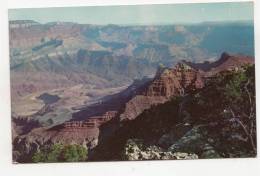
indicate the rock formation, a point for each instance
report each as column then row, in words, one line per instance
column 226, row 62
column 135, row 150
column 167, row 83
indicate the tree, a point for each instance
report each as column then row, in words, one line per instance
column 241, row 93
column 74, row 153
column 232, row 95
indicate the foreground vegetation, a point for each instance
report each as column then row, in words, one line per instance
column 61, row 153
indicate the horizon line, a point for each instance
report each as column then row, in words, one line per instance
column 143, row 24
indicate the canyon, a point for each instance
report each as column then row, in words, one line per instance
column 80, row 83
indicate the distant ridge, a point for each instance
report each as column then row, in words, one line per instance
column 226, row 61
column 22, row 21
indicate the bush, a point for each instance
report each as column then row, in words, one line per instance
column 61, row 153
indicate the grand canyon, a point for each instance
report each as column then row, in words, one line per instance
column 132, row 92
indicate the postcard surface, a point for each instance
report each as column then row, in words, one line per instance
column 139, row 82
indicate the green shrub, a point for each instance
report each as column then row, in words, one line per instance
column 61, row 153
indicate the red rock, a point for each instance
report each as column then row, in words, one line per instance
column 226, row 62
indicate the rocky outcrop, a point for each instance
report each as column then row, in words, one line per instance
column 23, row 125
column 173, row 135
column 194, row 141
column 135, row 150
column 226, row 62
column 138, row 104
column 69, row 132
column 190, row 145
column 167, row 83
column 175, row 81
column 92, row 122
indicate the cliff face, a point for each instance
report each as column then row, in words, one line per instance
column 175, row 81
column 24, row 34
column 167, row 83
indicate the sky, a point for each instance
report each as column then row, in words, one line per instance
column 139, row 14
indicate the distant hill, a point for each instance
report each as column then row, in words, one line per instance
column 112, row 53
